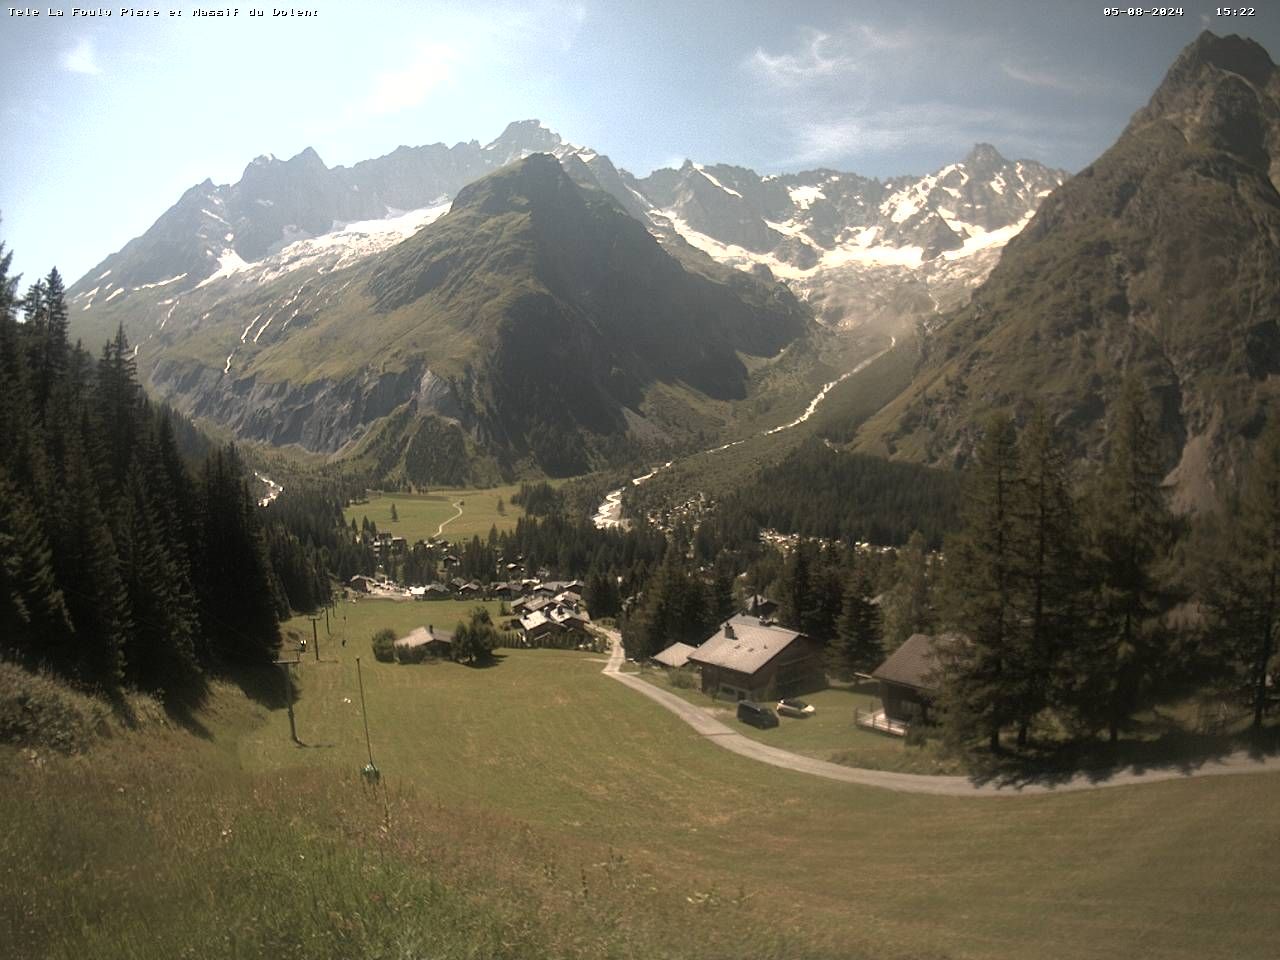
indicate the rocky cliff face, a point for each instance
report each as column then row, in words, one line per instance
column 1161, row 259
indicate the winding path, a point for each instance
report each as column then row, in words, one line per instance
column 457, row 505
column 726, row 737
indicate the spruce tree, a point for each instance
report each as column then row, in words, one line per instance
column 906, row 606
column 981, row 689
column 858, row 647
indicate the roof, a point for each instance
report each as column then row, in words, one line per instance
column 914, row 664
column 750, row 647
column 676, row 655
column 531, row 621
column 421, row 635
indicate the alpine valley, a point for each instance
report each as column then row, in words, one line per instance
column 450, row 314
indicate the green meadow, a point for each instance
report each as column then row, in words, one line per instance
column 420, row 515
column 535, row 808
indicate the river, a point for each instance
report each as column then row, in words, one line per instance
column 609, row 514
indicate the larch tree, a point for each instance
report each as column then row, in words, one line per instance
column 981, row 689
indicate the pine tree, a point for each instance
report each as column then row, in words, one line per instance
column 1129, row 532
column 237, row 606
column 1244, row 592
column 1047, row 581
column 858, row 647
column 794, row 604
column 981, row 691
column 906, row 606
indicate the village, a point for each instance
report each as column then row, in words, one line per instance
column 750, row 659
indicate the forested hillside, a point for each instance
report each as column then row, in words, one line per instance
column 120, row 563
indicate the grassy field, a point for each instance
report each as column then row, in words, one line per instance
column 540, row 809
column 421, row 514
column 356, row 622
column 829, row 734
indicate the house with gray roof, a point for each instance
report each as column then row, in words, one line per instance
column 674, row 657
column 427, row 640
column 910, row 678
column 749, row 660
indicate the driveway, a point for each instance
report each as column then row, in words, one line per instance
column 728, row 738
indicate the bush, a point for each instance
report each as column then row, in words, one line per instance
column 411, row 654
column 384, row 646
column 683, row 679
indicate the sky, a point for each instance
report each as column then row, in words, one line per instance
column 105, row 121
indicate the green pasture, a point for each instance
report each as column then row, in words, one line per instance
column 420, row 515
column 536, row 808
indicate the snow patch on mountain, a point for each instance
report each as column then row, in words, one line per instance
column 703, row 170
column 803, row 197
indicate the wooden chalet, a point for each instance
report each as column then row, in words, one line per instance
column 436, row 644
column 909, row 682
column 748, row 659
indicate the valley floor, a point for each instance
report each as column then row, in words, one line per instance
column 537, row 808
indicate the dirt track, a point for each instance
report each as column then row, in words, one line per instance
column 726, row 737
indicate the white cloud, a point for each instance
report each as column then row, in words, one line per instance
column 397, row 90
column 81, row 59
column 865, row 89
column 1044, row 78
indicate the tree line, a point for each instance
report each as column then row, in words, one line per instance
column 120, row 563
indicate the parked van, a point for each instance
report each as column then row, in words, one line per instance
column 757, row 714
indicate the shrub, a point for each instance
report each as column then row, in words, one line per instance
column 384, row 645
column 411, row 654
column 683, row 679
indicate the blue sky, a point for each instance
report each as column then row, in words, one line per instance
column 105, row 121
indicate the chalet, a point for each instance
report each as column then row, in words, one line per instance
column 674, row 657
column 361, row 584
column 507, row 591
column 908, row 682
column 568, row 618
column 432, row 591
column 750, row 660
column 531, row 604
column 470, row 591
column 435, row 644
column 534, row 626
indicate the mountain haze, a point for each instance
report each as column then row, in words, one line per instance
column 528, row 326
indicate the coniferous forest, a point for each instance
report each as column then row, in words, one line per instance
column 124, row 562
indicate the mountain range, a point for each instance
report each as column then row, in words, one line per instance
column 338, row 309
column 1159, row 260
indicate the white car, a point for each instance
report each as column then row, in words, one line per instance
column 796, row 708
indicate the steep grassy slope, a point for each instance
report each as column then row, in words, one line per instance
column 539, row 809
column 1162, row 258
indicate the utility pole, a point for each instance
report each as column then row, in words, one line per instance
column 315, row 639
column 288, row 694
column 371, row 771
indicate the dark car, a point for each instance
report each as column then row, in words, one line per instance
column 757, row 714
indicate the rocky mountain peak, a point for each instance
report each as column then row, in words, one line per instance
column 1233, row 53
column 984, row 158
column 522, row 138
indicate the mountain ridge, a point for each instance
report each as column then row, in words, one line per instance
column 1159, row 259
